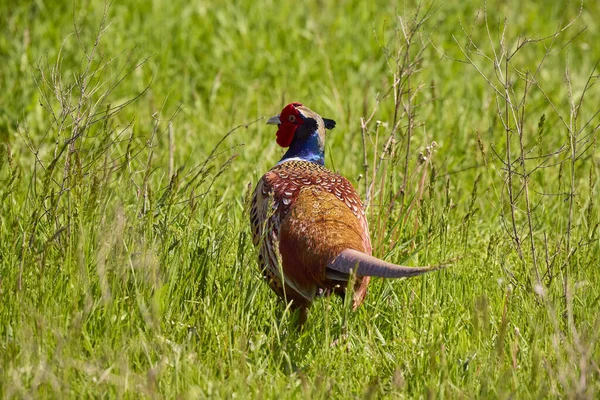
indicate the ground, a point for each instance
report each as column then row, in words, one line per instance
column 131, row 134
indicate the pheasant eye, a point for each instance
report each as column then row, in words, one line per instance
column 292, row 118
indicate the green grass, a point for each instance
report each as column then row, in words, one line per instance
column 126, row 264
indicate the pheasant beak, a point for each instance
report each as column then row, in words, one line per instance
column 274, row 120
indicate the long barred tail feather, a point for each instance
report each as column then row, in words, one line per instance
column 349, row 261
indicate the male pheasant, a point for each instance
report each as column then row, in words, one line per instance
column 309, row 223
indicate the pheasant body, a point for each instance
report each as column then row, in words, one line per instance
column 309, row 224
column 302, row 217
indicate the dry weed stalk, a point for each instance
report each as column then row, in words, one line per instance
column 390, row 142
column 519, row 163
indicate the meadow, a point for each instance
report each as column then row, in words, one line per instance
column 132, row 134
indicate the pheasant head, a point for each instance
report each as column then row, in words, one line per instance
column 303, row 132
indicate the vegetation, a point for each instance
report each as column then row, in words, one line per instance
column 132, row 133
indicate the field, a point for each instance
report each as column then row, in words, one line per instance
column 132, row 134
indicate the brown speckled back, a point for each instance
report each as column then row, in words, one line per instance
column 302, row 217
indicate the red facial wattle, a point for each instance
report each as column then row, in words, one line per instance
column 285, row 135
column 290, row 119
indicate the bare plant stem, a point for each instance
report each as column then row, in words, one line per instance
column 408, row 109
column 509, row 170
column 171, row 150
column 527, row 200
column 573, row 159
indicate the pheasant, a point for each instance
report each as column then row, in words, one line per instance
column 309, row 224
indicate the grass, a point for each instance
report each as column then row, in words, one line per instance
column 126, row 266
